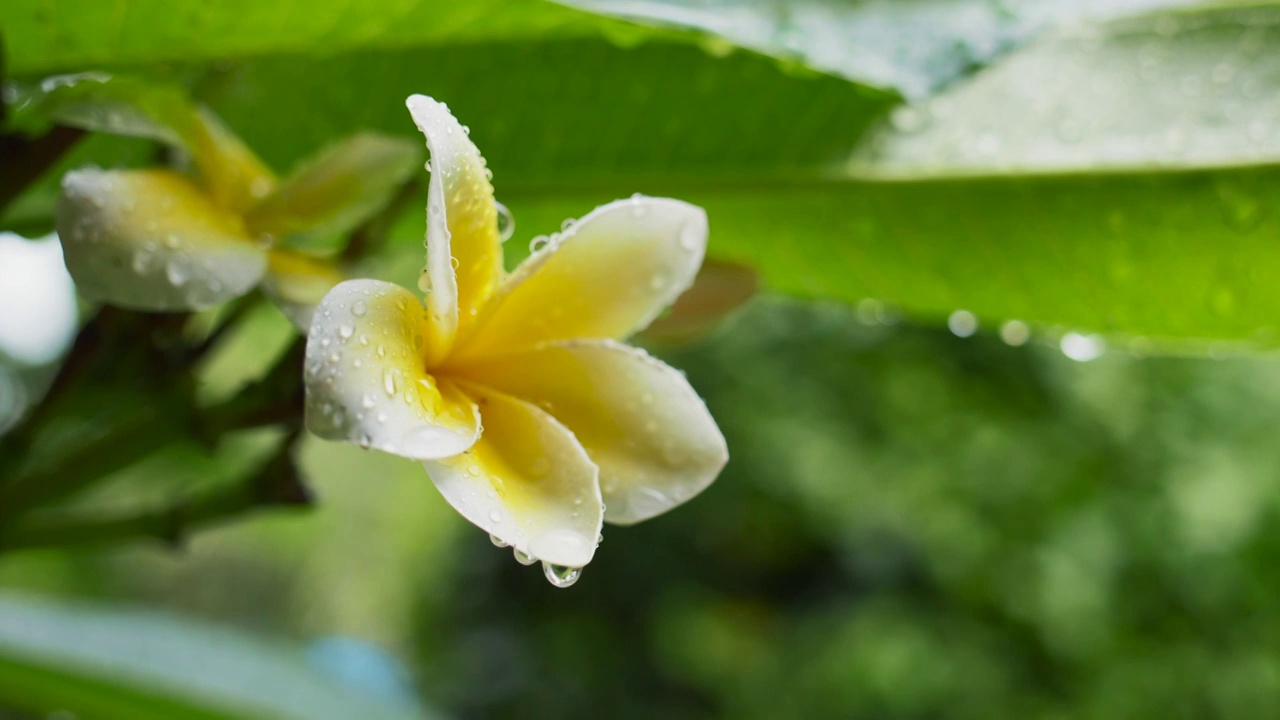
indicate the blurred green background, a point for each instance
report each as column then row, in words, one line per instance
column 1073, row 515
column 912, row 525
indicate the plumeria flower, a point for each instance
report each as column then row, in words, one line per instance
column 531, row 417
column 160, row 240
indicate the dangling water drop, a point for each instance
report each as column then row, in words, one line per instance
column 524, row 558
column 561, row 576
column 538, row 243
column 497, row 541
column 506, row 223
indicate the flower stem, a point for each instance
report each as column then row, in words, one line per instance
column 26, row 160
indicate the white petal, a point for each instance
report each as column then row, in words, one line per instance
column 606, row 277
column 367, row 382
column 527, row 482
column 464, row 252
column 637, row 417
column 151, row 240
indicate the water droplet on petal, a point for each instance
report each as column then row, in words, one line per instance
column 689, row 237
column 346, row 331
column 560, row 575
column 538, row 243
column 506, row 222
column 359, row 308
column 176, row 273
column 495, row 515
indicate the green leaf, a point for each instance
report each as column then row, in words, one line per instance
column 77, row 34
column 1165, row 91
column 913, row 47
column 759, row 148
column 569, row 114
column 567, row 124
column 112, row 663
column 1161, row 261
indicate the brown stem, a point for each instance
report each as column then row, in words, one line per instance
column 24, row 160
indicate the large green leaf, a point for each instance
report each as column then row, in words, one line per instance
column 913, row 46
column 106, row 664
column 1165, row 91
column 565, row 114
column 909, row 46
column 566, row 124
column 1165, row 258
column 47, row 37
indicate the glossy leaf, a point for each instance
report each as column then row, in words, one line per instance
column 912, row 47
column 80, row 33
column 1178, row 257
column 106, row 663
column 1165, row 91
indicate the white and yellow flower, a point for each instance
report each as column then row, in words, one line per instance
column 160, row 240
column 514, row 390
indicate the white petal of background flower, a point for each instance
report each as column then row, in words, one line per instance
column 367, row 381
column 38, row 297
column 152, row 240
column 638, row 418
